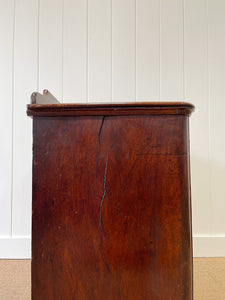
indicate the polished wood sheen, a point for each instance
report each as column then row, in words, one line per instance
column 111, row 202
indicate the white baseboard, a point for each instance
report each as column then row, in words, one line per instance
column 209, row 246
column 20, row 247
column 15, row 247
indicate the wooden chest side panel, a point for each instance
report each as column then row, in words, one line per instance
column 111, row 208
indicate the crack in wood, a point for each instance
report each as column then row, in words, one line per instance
column 100, row 213
column 100, row 132
column 103, row 195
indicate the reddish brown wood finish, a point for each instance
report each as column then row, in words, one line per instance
column 110, row 109
column 111, row 208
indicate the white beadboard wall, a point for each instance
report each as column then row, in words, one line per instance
column 113, row 50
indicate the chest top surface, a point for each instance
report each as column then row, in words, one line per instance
column 110, row 109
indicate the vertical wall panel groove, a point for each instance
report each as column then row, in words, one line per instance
column 50, row 46
column 183, row 36
column 87, row 59
column 209, row 119
column 112, row 95
column 123, row 50
column 111, row 50
column 6, row 74
column 216, row 25
column 159, row 49
column 13, row 105
column 148, row 50
column 171, row 50
column 62, row 51
column 135, row 51
column 38, row 47
column 75, row 51
column 99, row 51
column 196, row 91
column 25, row 76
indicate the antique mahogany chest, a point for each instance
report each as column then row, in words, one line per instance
column 111, row 212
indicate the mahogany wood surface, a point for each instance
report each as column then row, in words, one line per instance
column 111, row 212
column 110, row 109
